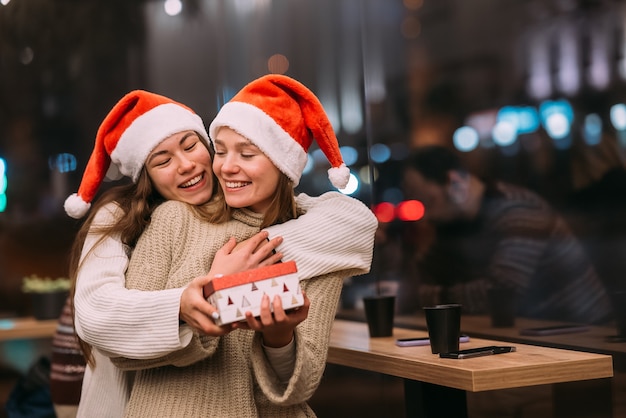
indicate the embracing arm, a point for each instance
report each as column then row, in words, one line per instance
column 114, row 319
column 336, row 233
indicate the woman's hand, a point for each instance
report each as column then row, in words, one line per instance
column 277, row 327
column 197, row 312
column 254, row 252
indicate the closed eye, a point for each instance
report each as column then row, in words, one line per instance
column 191, row 147
column 159, row 163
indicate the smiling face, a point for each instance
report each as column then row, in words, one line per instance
column 180, row 169
column 249, row 179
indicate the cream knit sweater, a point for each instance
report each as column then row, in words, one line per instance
column 220, row 376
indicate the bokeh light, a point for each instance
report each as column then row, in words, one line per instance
column 410, row 210
column 3, row 186
column 349, row 154
column 557, row 117
column 278, row 64
column 173, row 7
column 63, row 162
column 380, row 153
column 465, row 139
column 618, row 116
column 592, row 129
column 384, row 211
column 557, row 126
column 352, row 186
column 308, row 167
column 504, row 133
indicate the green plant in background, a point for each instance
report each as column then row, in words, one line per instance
column 36, row 284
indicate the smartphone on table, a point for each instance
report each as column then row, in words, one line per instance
column 478, row 352
column 413, row 342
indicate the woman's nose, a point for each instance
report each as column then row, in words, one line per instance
column 186, row 164
column 229, row 164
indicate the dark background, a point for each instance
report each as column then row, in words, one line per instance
column 388, row 72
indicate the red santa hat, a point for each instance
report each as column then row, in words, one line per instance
column 128, row 134
column 281, row 116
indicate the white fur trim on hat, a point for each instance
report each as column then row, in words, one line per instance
column 149, row 130
column 263, row 131
column 75, row 206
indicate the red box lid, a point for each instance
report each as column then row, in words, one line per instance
column 249, row 276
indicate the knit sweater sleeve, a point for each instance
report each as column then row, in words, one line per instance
column 335, row 233
column 312, row 338
column 158, row 253
column 116, row 320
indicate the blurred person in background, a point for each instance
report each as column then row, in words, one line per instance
column 494, row 234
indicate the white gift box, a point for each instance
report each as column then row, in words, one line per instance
column 235, row 294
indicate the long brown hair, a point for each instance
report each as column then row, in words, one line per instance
column 137, row 202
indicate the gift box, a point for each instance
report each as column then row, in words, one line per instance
column 235, row 294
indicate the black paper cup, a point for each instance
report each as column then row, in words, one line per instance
column 379, row 312
column 444, row 327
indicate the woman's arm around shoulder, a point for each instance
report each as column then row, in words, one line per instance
column 335, row 233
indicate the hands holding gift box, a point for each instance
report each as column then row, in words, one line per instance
column 236, row 294
column 246, row 295
column 265, row 299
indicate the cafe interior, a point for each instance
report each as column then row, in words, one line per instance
column 527, row 92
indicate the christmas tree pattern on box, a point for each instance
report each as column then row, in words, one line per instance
column 235, row 294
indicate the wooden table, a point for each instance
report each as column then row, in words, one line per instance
column 436, row 387
column 593, row 340
column 26, row 328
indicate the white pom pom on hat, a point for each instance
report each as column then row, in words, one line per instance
column 281, row 116
column 139, row 122
column 75, row 206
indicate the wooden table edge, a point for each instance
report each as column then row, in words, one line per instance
column 456, row 374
